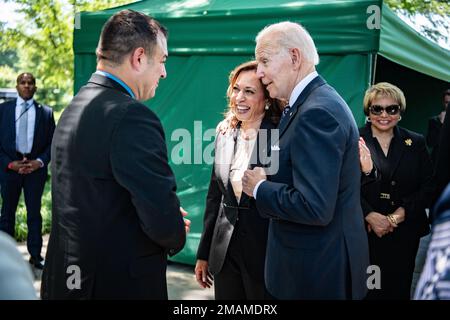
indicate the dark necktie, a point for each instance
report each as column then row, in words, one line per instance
column 285, row 112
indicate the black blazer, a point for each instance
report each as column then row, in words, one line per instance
column 115, row 211
column 442, row 169
column 222, row 213
column 410, row 185
column 43, row 133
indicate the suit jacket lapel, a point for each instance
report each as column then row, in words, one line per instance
column 224, row 152
column 38, row 111
column 316, row 82
column 10, row 115
column 397, row 149
column 255, row 160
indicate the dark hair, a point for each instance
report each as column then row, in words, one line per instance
column 274, row 112
column 445, row 93
column 20, row 76
column 124, row 32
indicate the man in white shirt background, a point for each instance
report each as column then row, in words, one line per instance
column 26, row 132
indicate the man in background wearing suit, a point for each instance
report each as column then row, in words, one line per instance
column 26, row 131
column 115, row 213
column 317, row 246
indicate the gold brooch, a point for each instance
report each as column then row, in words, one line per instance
column 408, row 142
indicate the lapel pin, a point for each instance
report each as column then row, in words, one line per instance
column 408, row 142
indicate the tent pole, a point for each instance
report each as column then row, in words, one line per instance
column 374, row 63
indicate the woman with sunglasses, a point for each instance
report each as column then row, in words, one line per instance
column 394, row 202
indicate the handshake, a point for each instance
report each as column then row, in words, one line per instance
column 25, row 166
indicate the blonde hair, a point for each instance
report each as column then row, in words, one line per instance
column 384, row 89
column 288, row 35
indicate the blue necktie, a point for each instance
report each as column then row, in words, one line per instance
column 22, row 139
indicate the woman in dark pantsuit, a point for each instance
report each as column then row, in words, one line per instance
column 394, row 202
column 233, row 244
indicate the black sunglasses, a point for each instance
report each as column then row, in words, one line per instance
column 391, row 110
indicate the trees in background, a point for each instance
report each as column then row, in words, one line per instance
column 42, row 42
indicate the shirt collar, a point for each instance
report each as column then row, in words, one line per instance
column 116, row 79
column 20, row 101
column 301, row 86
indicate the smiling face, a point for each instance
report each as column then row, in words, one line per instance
column 26, row 86
column 384, row 122
column 247, row 97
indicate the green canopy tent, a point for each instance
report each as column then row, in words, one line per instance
column 207, row 38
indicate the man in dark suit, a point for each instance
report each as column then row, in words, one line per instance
column 26, row 134
column 116, row 215
column 442, row 168
column 435, row 126
column 317, row 247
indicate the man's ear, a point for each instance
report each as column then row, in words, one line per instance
column 296, row 57
column 136, row 57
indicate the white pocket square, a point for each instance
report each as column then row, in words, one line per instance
column 275, row 147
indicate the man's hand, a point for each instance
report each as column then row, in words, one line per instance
column 18, row 165
column 251, row 179
column 187, row 222
column 29, row 166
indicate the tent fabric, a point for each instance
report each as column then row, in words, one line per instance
column 405, row 46
column 230, row 27
column 208, row 38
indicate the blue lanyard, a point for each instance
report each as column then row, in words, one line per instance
column 113, row 77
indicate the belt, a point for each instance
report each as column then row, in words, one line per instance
column 386, row 196
column 234, row 207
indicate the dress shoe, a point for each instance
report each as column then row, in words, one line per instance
column 38, row 263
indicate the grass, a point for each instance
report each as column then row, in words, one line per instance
column 21, row 229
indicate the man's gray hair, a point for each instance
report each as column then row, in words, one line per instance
column 290, row 35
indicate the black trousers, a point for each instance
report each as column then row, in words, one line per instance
column 236, row 281
column 395, row 254
column 32, row 184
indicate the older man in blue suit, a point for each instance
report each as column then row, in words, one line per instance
column 317, row 245
column 26, row 132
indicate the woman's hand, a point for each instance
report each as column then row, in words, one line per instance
column 204, row 278
column 364, row 157
column 379, row 224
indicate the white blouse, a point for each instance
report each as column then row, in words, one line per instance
column 240, row 163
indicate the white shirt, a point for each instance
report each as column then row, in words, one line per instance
column 294, row 96
column 31, row 121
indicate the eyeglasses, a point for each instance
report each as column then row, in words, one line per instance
column 391, row 110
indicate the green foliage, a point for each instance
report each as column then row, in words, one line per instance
column 43, row 45
column 430, row 9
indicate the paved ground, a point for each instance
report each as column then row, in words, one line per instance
column 180, row 279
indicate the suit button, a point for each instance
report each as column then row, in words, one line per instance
column 393, row 203
column 393, row 183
